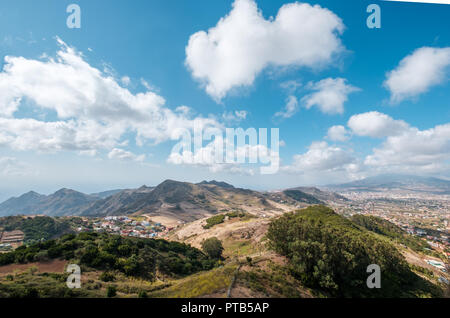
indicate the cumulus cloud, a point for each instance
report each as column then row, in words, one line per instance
column 338, row 133
column 414, row 150
column 93, row 111
column 404, row 148
column 214, row 157
column 290, row 109
column 123, row 155
column 416, row 73
column 375, row 124
column 329, row 95
column 32, row 134
column 243, row 43
column 322, row 157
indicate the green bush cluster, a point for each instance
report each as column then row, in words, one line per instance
column 386, row 228
column 214, row 220
column 132, row 256
column 235, row 214
column 330, row 253
column 37, row 228
column 213, row 247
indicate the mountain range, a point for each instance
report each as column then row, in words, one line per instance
column 181, row 200
column 188, row 201
column 396, row 182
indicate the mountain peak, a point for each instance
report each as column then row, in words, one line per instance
column 65, row 191
column 218, row 183
column 31, row 194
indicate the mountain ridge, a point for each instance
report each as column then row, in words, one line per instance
column 181, row 200
column 396, row 182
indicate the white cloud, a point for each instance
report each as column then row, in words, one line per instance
column 330, row 95
column 290, row 109
column 124, row 155
column 291, row 86
column 243, row 43
column 416, row 73
column 32, row 134
column 405, row 148
column 322, row 157
column 414, row 150
column 93, row 111
column 375, row 124
column 213, row 157
column 125, row 80
column 149, row 86
column 338, row 133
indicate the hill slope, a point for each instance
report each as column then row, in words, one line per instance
column 116, row 202
column 20, row 205
column 62, row 202
column 331, row 254
column 188, row 201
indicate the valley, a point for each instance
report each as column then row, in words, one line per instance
column 414, row 228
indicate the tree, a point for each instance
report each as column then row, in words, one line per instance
column 111, row 291
column 142, row 294
column 213, row 247
column 107, row 277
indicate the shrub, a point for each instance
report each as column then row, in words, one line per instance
column 213, row 247
column 111, row 291
column 143, row 294
column 107, row 277
column 217, row 219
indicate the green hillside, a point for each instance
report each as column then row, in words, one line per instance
column 35, row 228
column 391, row 231
column 329, row 253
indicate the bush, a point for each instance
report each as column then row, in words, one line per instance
column 217, row 219
column 107, row 277
column 143, row 294
column 41, row 256
column 134, row 257
column 111, row 291
column 213, row 247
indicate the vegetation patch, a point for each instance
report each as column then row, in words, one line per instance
column 134, row 257
column 201, row 284
column 214, row 220
column 39, row 228
column 331, row 254
column 392, row 231
column 275, row 281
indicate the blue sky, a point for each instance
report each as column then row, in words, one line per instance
column 397, row 125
